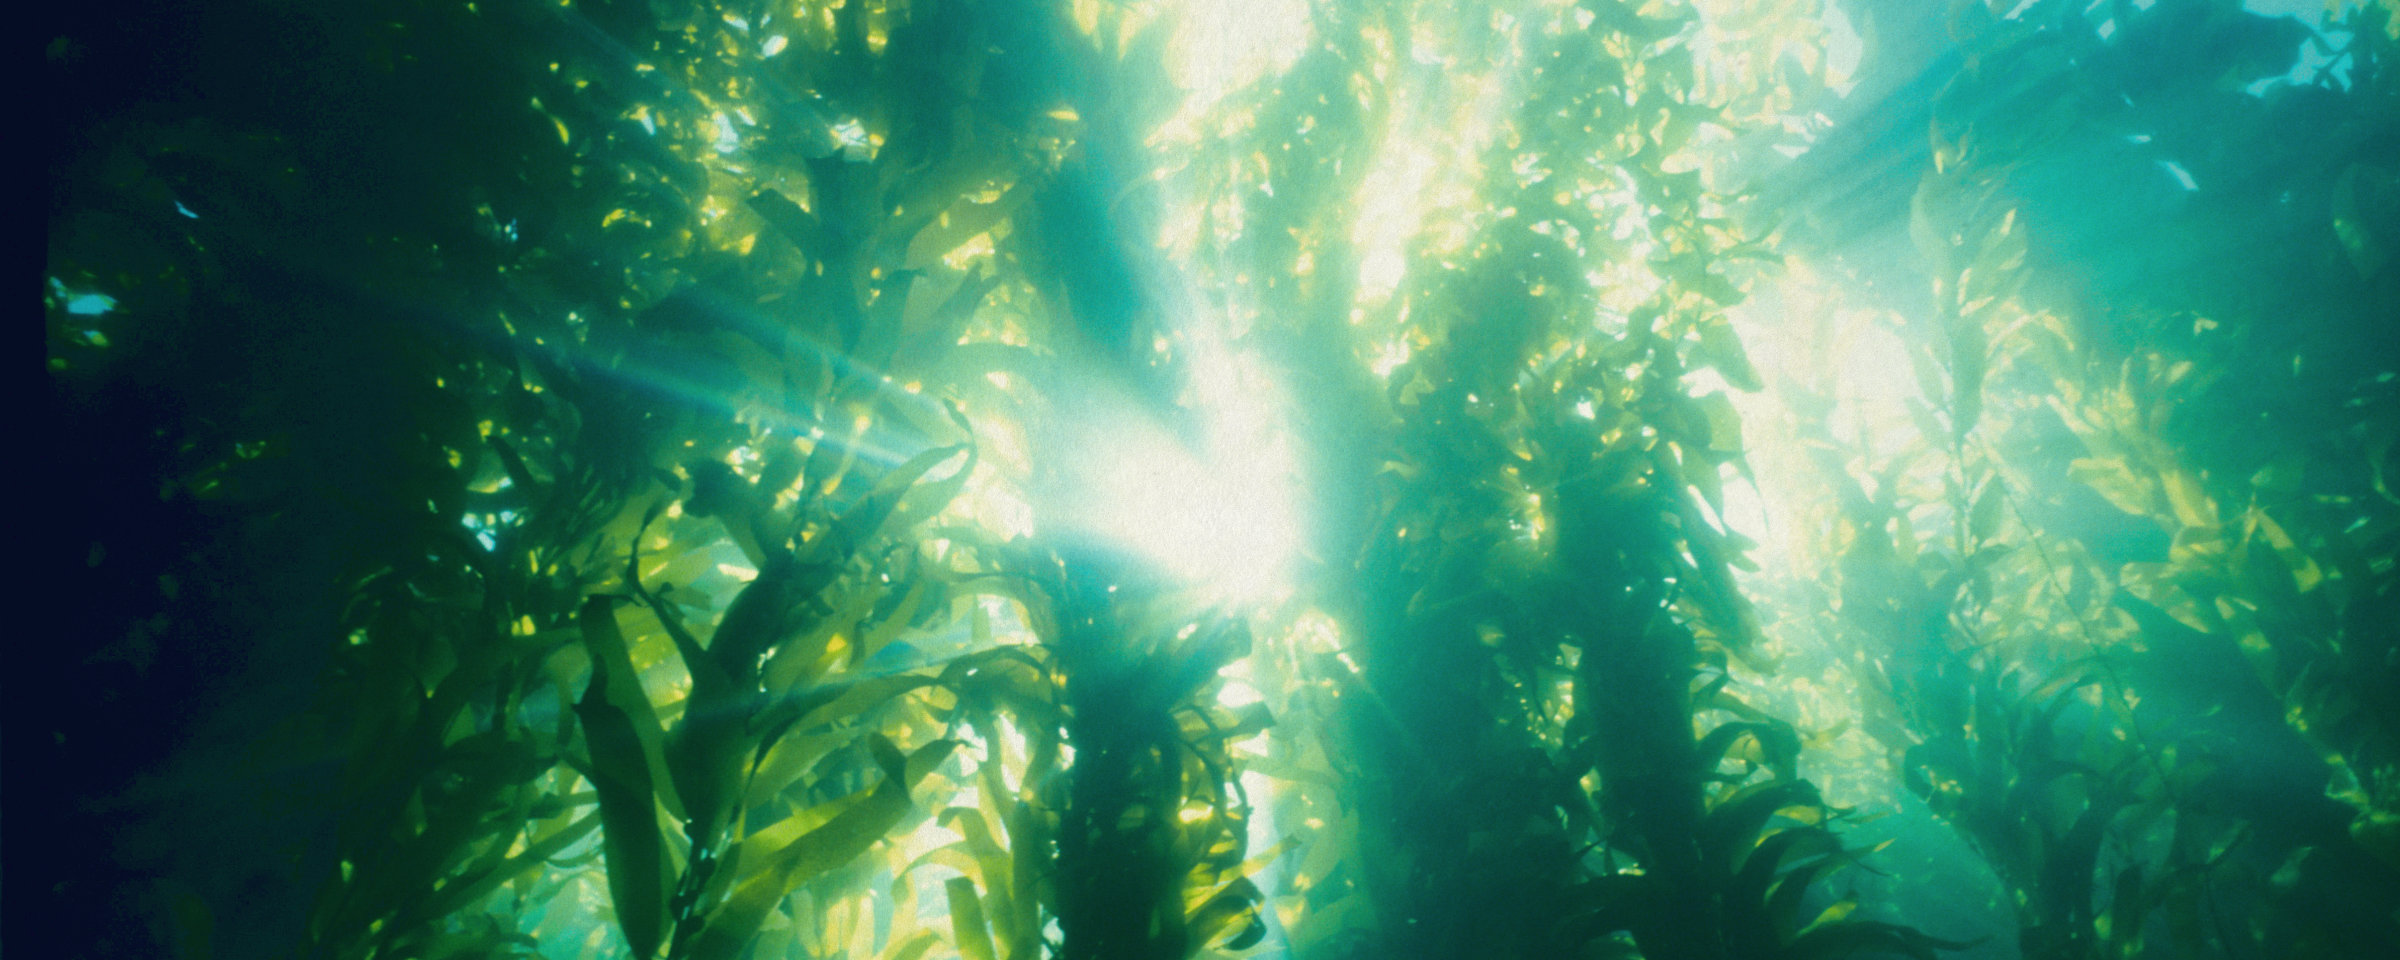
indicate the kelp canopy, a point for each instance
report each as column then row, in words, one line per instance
column 1110, row 480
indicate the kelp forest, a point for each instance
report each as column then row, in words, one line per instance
column 1165, row 479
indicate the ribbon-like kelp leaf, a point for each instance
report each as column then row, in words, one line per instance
column 756, row 618
column 1760, row 869
column 457, row 896
column 917, row 946
column 1608, row 904
column 939, row 333
column 1851, row 938
column 991, row 860
column 967, row 926
column 1234, row 903
column 1720, row 347
column 612, row 667
column 1778, row 745
column 711, row 747
column 797, row 661
column 866, row 517
column 1984, row 517
column 1735, row 822
column 789, row 759
column 790, row 219
column 922, row 503
column 638, row 873
column 709, row 683
column 712, row 739
column 839, row 701
column 763, row 845
column 894, row 624
column 965, row 220
column 729, row 928
column 1791, row 888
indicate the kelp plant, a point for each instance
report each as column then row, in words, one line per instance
column 1123, row 480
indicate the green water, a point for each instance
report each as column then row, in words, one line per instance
column 1728, row 479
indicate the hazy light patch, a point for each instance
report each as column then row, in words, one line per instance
column 1415, row 187
column 850, row 134
column 1390, row 357
column 82, row 303
column 1811, row 350
column 1842, row 51
column 1874, row 365
column 725, row 138
column 2182, row 177
column 1389, row 211
column 1219, row 512
column 1223, row 45
column 1223, row 517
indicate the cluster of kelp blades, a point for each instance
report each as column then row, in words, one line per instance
column 704, row 320
column 781, row 770
column 2138, row 642
column 774, row 772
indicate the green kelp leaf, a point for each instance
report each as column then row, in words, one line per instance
column 961, row 223
column 189, row 921
column 921, row 502
column 2127, row 908
column 760, row 847
column 1606, row 905
column 1735, row 823
column 848, row 835
column 638, row 874
column 1724, row 422
column 1984, row 518
column 991, row 862
column 462, row 894
column 917, row 946
column 867, row 516
column 1766, row 862
column 1789, row 891
column 802, row 659
column 788, row 218
column 967, row 926
column 833, row 702
column 755, row 620
column 1852, row 938
column 2367, row 255
column 1234, row 903
column 933, row 337
column 2112, row 478
column 718, row 491
column 1832, row 915
column 1721, row 348
column 790, row 759
column 901, row 619
column 711, row 750
column 613, row 668
column 828, row 465
column 1778, row 745
column 781, row 470
column 711, row 741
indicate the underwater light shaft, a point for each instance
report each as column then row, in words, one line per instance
column 1217, row 522
column 1219, row 512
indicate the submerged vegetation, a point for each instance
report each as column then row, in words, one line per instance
column 1111, row 480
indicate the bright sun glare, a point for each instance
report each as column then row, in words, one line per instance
column 1222, row 518
column 1221, row 45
